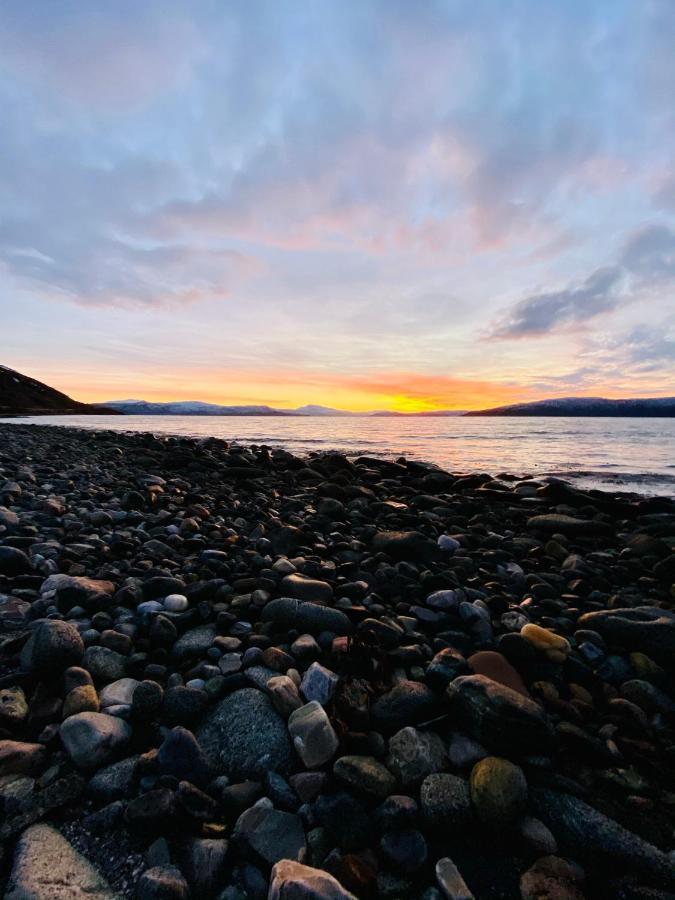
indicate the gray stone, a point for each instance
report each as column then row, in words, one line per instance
column 407, row 703
column 118, row 692
column 47, row 867
column 415, row 754
column 450, row 881
column 266, row 835
column 194, row 643
column 162, row 883
column 555, row 523
column 366, row 774
column 446, row 800
column 287, row 612
column 92, row 738
column 319, row 683
column 313, row 736
column 587, row 835
column 116, row 782
column 244, row 736
column 104, row 664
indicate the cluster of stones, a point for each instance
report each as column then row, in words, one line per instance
column 232, row 673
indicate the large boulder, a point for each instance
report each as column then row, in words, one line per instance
column 47, row 867
column 591, row 837
column 287, row 613
column 500, row 718
column 645, row 628
column 244, row 736
column 53, row 647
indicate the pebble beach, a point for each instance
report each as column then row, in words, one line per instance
column 234, row 672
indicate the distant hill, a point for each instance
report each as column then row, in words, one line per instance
column 24, row 396
column 191, row 408
column 586, row 406
column 198, row 408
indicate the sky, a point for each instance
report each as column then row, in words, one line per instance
column 364, row 204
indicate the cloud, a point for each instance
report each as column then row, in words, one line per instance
column 645, row 262
column 540, row 313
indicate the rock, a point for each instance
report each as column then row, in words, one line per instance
column 91, row 739
column 175, row 603
column 53, row 647
column 407, row 703
column 284, row 693
column 18, row 758
column 451, row 883
column 162, row 883
column 445, row 800
column 13, row 707
column 310, row 589
column 266, row 835
column 47, row 866
column 319, row 683
column 555, row 647
column 345, row 818
column 194, row 643
column 104, row 664
column 365, row 773
column 181, row 757
column 497, row 667
column 151, row 813
column 405, row 545
column 183, row 705
column 312, row 733
column 498, row 792
column 14, row 562
column 552, row 878
column 118, row 693
column 555, row 523
column 146, row 702
column 396, row 813
column 287, row 613
column 203, row 861
column 81, row 699
column 293, row 881
column 244, row 736
column 645, row 628
column 499, row 718
column 446, row 665
column 405, row 851
column 537, row 837
column 464, row 752
column 589, row 836
column 115, row 782
column 415, row 754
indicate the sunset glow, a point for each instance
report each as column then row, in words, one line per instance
column 360, row 205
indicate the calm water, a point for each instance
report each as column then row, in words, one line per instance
column 627, row 454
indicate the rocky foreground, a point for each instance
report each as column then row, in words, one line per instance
column 231, row 673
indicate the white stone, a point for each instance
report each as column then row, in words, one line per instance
column 447, row 543
column 313, row 736
column 176, row 603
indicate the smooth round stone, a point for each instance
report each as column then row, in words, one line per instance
column 365, row 773
column 195, row 684
column 553, row 645
column 406, row 851
column 176, row 603
column 149, row 606
column 448, row 544
column 498, row 791
column 91, row 738
column 497, row 667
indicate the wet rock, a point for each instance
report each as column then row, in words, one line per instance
column 115, row 782
column 105, row 665
column 500, row 718
column 309, row 589
column 450, row 881
column 244, row 736
column 194, row 643
column 495, row 666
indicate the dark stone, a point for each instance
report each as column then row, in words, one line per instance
column 407, row 703
column 287, row 613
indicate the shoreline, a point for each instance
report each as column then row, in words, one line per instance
column 214, row 657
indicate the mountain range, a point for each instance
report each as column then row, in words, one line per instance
column 22, row 395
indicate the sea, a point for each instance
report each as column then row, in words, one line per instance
column 634, row 455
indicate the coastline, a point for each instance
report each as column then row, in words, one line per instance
column 440, row 624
